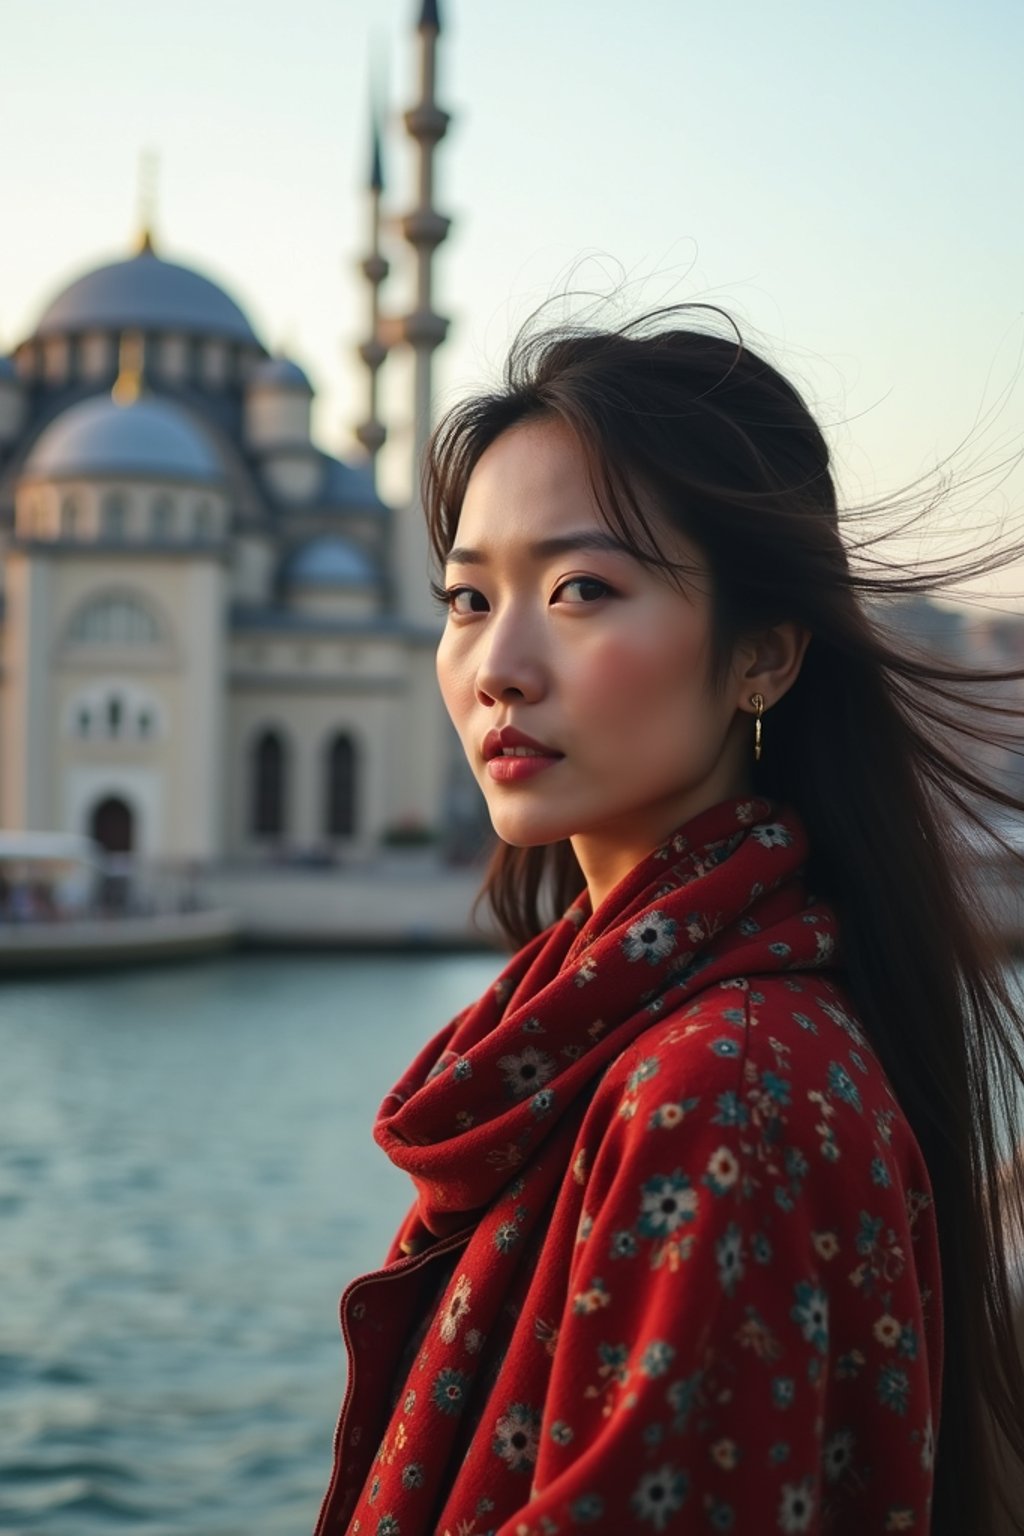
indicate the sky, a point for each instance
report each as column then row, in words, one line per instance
column 845, row 180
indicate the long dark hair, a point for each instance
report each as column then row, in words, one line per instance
column 875, row 744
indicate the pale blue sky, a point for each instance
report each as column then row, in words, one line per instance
column 846, row 179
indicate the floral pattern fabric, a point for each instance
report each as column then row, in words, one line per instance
column 672, row 1263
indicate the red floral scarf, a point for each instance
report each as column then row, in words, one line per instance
column 723, row 897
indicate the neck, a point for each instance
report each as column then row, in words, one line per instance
column 607, row 853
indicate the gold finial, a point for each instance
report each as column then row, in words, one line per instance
column 149, row 165
column 128, row 387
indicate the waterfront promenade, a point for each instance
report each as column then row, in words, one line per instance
column 400, row 900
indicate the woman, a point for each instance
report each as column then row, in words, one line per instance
column 701, row 1237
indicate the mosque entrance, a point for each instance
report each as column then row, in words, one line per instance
column 113, row 825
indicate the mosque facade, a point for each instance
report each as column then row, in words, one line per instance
column 216, row 637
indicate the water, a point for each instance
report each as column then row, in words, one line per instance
column 187, row 1180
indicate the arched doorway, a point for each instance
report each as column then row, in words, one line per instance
column 341, row 787
column 113, row 825
column 268, row 786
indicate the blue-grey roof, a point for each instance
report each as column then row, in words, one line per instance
column 149, row 438
column 280, row 373
column 330, row 561
column 145, row 293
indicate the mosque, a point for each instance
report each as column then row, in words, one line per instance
column 217, row 639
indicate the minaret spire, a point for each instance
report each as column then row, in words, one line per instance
column 372, row 432
column 149, row 166
column 376, row 170
column 424, row 330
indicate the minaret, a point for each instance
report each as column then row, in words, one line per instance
column 372, row 432
column 424, row 228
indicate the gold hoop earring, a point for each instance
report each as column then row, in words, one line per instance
column 757, row 699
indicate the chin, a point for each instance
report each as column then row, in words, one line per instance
column 526, row 831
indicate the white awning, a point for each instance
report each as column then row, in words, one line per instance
column 48, row 848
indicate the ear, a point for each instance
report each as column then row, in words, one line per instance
column 769, row 662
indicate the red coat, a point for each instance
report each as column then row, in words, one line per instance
column 673, row 1262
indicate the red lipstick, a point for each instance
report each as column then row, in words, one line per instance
column 511, row 755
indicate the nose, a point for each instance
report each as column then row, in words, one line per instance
column 510, row 668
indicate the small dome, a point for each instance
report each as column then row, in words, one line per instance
column 350, row 487
column 280, row 373
column 330, row 561
column 151, row 438
column 145, row 293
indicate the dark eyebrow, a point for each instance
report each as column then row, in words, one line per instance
column 566, row 544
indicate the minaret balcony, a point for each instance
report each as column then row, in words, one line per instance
column 375, row 269
column 426, row 123
column 372, row 435
column 423, row 328
column 424, row 228
column 373, row 352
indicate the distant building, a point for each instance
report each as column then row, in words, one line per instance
column 972, row 638
column 215, row 637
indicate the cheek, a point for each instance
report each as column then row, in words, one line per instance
column 634, row 673
column 454, row 681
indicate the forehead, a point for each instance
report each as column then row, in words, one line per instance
column 533, row 476
column 532, row 483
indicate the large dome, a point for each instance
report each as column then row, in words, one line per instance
column 150, row 438
column 146, row 293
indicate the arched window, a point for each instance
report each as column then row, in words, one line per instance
column 69, row 514
column 341, row 787
column 104, row 712
column 115, row 620
column 33, row 519
column 163, row 518
column 268, row 785
column 115, row 516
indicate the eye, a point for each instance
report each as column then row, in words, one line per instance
column 584, row 589
column 460, row 600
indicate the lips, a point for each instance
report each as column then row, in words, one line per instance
column 508, row 742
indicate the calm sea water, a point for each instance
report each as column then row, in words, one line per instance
column 187, row 1180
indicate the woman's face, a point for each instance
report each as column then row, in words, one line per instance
column 555, row 631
